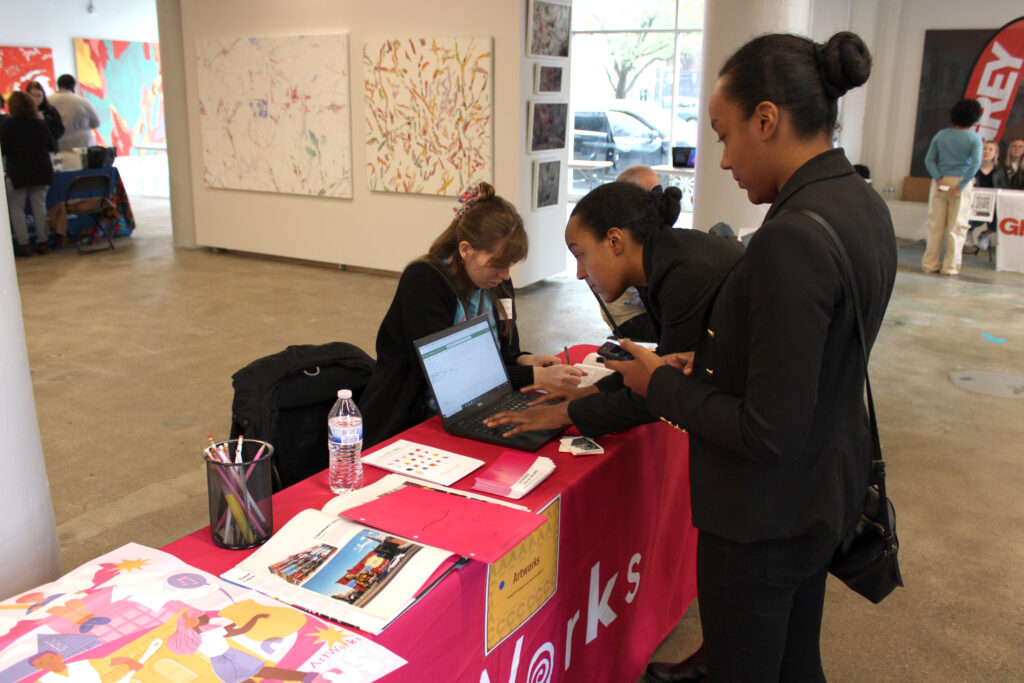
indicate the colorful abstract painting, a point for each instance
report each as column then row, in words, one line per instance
column 122, row 81
column 549, row 29
column 19, row 65
column 138, row 614
column 274, row 114
column 428, row 114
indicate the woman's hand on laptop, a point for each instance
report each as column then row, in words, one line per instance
column 532, row 419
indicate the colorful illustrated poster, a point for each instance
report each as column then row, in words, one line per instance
column 19, row 65
column 138, row 614
column 122, row 81
column 524, row 579
column 274, row 114
column 428, row 114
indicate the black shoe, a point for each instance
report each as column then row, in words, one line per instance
column 693, row 669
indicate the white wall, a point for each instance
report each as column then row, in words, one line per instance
column 373, row 229
column 56, row 23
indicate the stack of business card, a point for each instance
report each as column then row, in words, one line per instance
column 514, row 474
column 579, row 445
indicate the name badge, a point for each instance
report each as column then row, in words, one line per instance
column 506, row 306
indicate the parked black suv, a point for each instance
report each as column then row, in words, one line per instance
column 620, row 136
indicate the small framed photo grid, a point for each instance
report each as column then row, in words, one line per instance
column 548, row 29
column 548, row 79
column 547, row 125
column 547, row 182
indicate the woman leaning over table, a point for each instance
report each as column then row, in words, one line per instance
column 622, row 236
column 464, row 274
column 779, row 439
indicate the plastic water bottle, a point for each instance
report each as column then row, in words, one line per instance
column 345, row 441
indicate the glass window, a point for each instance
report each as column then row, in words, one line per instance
column 599, row 15
column 635, row 66
column 628, row 126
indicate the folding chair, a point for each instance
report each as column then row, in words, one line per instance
column 85, row 198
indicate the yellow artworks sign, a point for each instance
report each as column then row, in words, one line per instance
column 523, row 579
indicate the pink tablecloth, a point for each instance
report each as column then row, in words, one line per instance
column 626, row 571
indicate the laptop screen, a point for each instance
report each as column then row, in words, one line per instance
column 462, row 364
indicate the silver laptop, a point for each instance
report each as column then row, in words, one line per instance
column 468, row 380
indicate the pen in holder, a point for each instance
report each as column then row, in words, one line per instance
column 238, row 481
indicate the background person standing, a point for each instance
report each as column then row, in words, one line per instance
column 953, row 158
column 46, row 110
column 26, row 143
column 78, row 115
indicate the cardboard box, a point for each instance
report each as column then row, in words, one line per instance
column 916, row 189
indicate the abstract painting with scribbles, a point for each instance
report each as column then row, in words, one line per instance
column 274, row 114
column 428, row 114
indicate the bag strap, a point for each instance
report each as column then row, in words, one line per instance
column 877, row 462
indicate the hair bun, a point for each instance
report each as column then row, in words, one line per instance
column 486, row 191
column 669, row 205
column 845, row 63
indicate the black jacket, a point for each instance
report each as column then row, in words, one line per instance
column 27, row 144
column 424, row 303
column 54, row 123
column 779, row 440
column 684, row 270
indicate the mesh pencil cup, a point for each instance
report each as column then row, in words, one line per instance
column 238, row 483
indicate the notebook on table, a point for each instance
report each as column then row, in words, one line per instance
column 468, row 380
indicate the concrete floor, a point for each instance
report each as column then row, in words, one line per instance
column 132, row 352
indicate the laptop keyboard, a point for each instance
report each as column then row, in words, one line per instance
column 512, row 402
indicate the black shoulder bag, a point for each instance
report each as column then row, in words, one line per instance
column 866, row 561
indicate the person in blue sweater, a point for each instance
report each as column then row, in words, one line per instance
column 953, row 158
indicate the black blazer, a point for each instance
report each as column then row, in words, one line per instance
column 779, row 440
column 27, row 144
column 684, row 270
column 424, row 303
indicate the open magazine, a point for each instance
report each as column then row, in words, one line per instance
column 345, row 571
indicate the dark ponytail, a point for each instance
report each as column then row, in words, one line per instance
column 629, row 207
column 798, row 75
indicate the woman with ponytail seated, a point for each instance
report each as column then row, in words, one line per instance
column 465, row 274
column 621, row 237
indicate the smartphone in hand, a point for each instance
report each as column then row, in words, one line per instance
column 613, row 351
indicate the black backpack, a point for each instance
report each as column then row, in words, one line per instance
column 284, row 399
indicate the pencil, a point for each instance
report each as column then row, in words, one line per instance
column 567, row 361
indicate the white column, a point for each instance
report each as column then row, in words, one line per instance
column 28, row 533
column 728, row 24
column 179, row 157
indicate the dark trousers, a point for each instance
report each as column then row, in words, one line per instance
column 761, row 605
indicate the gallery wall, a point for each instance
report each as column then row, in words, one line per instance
column 371, row 229
column 899, row 26
column 56, row 23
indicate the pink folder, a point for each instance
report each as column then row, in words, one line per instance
column 471, row 528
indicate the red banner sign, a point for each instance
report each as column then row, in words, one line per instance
column 996, row 79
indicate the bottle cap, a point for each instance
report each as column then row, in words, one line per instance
column 344, row 393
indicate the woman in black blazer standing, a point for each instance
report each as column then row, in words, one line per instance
column 773, row 402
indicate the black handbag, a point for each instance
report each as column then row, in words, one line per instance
column 866, row 560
